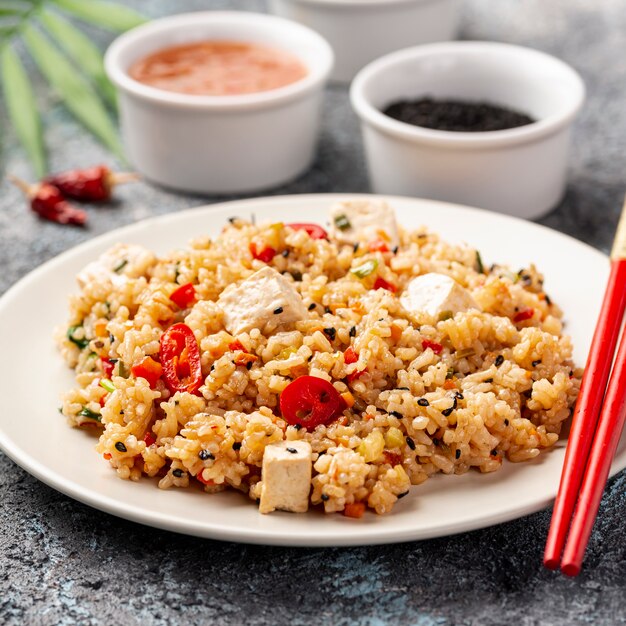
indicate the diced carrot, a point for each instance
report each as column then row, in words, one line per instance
column 356, row 510
column 396, row 332
column 348, row 398
column 100, row 328
column 236, row 345
column 450, row 384
column 243, row 358
column 107, row 456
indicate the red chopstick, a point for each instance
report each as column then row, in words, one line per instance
column 590, row 399
column 610, row 425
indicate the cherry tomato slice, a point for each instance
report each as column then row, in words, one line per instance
column 184, row 296
column 180, row 358
column 310, row 401
column 315, row 231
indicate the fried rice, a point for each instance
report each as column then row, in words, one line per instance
column 426, row 394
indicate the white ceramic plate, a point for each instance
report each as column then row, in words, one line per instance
column 32, row 377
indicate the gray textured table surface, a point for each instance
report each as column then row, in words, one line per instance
column 64, row 563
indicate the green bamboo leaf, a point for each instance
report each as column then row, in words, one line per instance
column 77, row 93
column 22, row 110
column 104, row 14
column 83, row 52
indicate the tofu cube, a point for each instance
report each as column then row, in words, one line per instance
column 122, row 261
column 364, row 221
column 434, row 293
column 286, row 477
column 266, row 300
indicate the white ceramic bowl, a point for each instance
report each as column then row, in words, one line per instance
column 363, row 30
column 220, row 144
column 521, row 171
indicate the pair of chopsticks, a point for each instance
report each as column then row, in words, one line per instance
column 597, row 425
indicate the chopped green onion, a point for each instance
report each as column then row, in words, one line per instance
column 367, row 268
column 479, row 263
column 81, row 343
column 445, row 315
column 120, row 266
column 92, row 415
column 122, row 371
column 342, row 222
column 105, row 383
column 450, row 373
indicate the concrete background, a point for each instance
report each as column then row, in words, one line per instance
column 64, row 563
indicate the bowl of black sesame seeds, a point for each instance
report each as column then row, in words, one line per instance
column 476, row 123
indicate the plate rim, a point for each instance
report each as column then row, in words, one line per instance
column 253, row 535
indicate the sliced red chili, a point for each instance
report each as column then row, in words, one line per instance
column 265, row 254
column 107, row 367
column 433, row 345
column 524, row 315
column 202, row 480
column 180, row 359
column 381, row 283
column 184, row 296
column 378, row 245
column 149, row 438
column 310, row 401
column 350, row 356
column 149, row 369
column 315, row 231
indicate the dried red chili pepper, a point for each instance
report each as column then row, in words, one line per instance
column 315, row 231
column 180, row 358
column 184, row 296
column 310, row 401
column 92, row 184
column 50, row 204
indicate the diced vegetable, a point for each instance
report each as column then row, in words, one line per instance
column 381, row 283
column 265, row 254
column 310, row 401
column 355, row 510
column 184, row 296
column 106, row 384
column 180, row 358
column 92, row 415
column 107, row 366
column 80, row 342
column 314, row 230
column 445, row 315
column 120, row 266
column 149, row 369
column 524, row 315
column 378, row 245
column 365, row 269
column 149, row 438
column 342, row 222
column 372, row 446
column 479, row 263
column 394, row 438
column 433, row 345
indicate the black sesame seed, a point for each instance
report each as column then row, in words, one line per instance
column 297, row 426
column 410, row 443
column 494, row 452
column 120, row 447
column 249, row 365
column 488, row 380
column 232, row 220
column 237, row 445
column 423, row 402
column 353, row 331
column 292, row 451
column 435, row 441
column 499, row 360
column 212, row 367
column 278, row 310
column 571, row 373
column 296, row 275
column 122, row 412
column 258, row 500
column 327, row 309
column 401, row 495
column 310, row 358
column 325, row 497
column 205, row 455
column 395, row 249
column 355, row 247
column 312, row 306
column 457, row 454
column 331, row 333
column 506, row 422
column 402, row 388
column 535, row 363
column 447, row 412
column 458, row 395
column 396, row 414
column 178, row 473
column 285, row 253
column 548, row 301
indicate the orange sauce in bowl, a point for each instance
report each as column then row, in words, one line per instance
column 218, row 68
